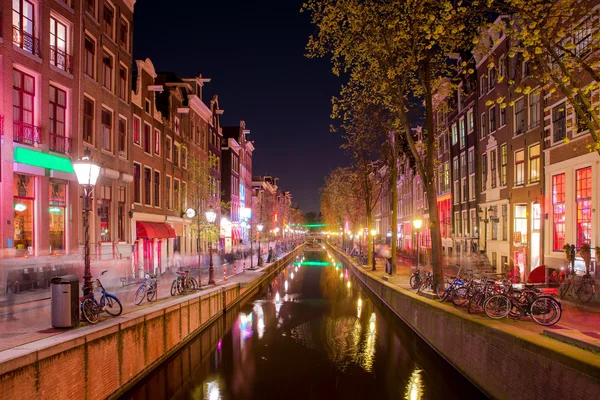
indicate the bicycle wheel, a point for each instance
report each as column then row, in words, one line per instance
column 565, row 288
column 497, row 306
column 112, row 305
column 140, row 294
column 441, row 290
column 152, row 291
column 545, row 311
column 476, row 303
column 585, row 291
column 193, row 283
column 182, row 286
column 91, row 311
column 174, row 288
column 415, row 281
column 460, row 296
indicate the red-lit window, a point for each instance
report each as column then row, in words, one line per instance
column 58, row 111
column 136, row 130
column 156, row 141
column 147, row 138
column 23, row 94
column 584, row 206
column 558, row 211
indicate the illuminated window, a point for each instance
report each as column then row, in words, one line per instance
column 147, row 139
column 534, row 163
column 104, row 201
column 136, row 130
column 584, row 206
column 504, row 165
column 493, row 168
column 519, row 167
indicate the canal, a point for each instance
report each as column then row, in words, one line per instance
column 314, row 333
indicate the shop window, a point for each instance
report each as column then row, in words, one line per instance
column 56, row 212
column 104, row 201
column 584, row 206
column 558, row 211
column 24, row 199
column 520, row 223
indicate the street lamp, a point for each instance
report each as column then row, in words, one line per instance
column 418, row 223
column 87, row 174
column 373, row 233
column 260, row 228
column 211, row 216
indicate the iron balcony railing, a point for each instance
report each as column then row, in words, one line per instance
column 61, row 59
column 26, row 41
column 26, row 133
column 59, row 144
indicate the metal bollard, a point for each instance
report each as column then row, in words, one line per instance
column 244, row 267
column 224, row 273
column 234, row 269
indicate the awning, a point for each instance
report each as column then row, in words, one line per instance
column 152, row 230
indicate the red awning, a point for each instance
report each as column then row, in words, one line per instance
column 151, row 230
column 235, row 234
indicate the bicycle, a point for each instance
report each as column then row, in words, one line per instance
column 543, row 309
column 416, row 277
column 109, row 303
column 443, row 290
column 147, row 290
column 584, row 291
column 489, row 288
column 426, row 283
column 184, row 283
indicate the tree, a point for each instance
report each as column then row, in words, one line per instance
column 393, row 54
column 198, row 191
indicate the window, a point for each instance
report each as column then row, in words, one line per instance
column 156, row 142
column 56, row 213
column 168, row 145
column 471, row 161
column 504, row 164
column 483, row 171
column 454, row 134
column 24, row 222
column 137, row 171
column 147, row 186
column 156, row 189
column 176, row 155
column 491, row 78
column 502, row 115
column 559, row 122
column 519, row 167
column 23, row 102
column 184, row 157
column 136, row 130
column 108, row 20
column 106, row 139
column 492, row 115
column 579, row 117
column 457, row 227
column 463, row 134
column 58, row 46
column 58, row 111
column 104, row 202
column 534, row 163
column 107, row 71
column 521, row 221
column 583, row 38
column 456, row 192
column 88, row 120
column 177, row 126
column 584, row 206
column 520, row 116
column 534, row 109
column 493, row 167
column 465, row 218
column 176, row 195
column 121, row 214
column 168, row 194
column 495, row 260
column 504, row 221
column 455, row 168
column 147, row 138
column 24, row 27
column 483, row 86
column 122, row 137
column 502, row 67
column 463, row 165
column 558, row 211
column 90, row 7
column 494, row 219
column 470, row 121
column 483, row 131
column 124, row 34
column 473, row 223
column 184, row 197
column 123, row 83
column 446, row 177
column 526, row 69
column 89, row 56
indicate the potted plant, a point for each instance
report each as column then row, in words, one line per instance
column 586, row 253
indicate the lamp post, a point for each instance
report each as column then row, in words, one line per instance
column 87, row 174
column 373, row 233
column 260, row 260
column 418, row 223
column 211, row 216
column 485, row 221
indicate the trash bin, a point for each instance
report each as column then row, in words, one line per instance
column 65, row 301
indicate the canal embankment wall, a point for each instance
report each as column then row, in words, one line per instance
column 104, row 360
column 503, row 362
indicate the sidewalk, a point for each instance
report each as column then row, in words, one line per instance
column 579, row 324
column 28, row 322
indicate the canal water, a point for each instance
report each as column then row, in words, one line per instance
column 314, row 333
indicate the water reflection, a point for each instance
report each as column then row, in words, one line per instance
column 414, row 389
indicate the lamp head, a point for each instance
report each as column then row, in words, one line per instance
column 418, row 223
column 211, row 215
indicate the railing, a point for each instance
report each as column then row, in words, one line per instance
column 26, row 133
column 61, row 59
column 26, row 41
column 59, row 144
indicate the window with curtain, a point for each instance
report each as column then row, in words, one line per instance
column 584, row 205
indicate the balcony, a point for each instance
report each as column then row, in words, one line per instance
column 26, row 133
column 59, row 144
column 26, row 41
column 61, row 59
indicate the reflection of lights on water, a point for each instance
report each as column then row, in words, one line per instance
column 372, row 324
column 260, row 324
column 414, row 389
column 285, row 285
column 296, row 269
column 341, row 276
column 349, row 285
column 277, row 299
column 246, row 325
column 292, row 276
column 212, row 391
column 359, row 302
column 220, row 344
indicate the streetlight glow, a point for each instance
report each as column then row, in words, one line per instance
column 418, row 223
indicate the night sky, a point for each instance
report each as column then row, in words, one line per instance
column 254, row 53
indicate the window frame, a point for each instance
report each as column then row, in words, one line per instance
column 92, row 40
column 516, row 113
column 559, row 201
column 104, row 22
column 534, row 163
column 147, row 185
column 104, row 127
column 122, row 122
column 520, row 167
column 106, row 55
column 137, row 188
column 89, row 119
column 562, row 116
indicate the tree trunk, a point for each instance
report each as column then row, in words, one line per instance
column 199, row 254
column 369, row 240
column 394, row 188
column 436, row 237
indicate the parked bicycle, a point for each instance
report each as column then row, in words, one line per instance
column 584, row 290
column 184, row 283
column 109, row 303
column 445, row 289
column 417, row 277
column 147, row 290
column 426, row 283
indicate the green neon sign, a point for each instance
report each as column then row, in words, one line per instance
column 43, row 160
column 316, row 264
